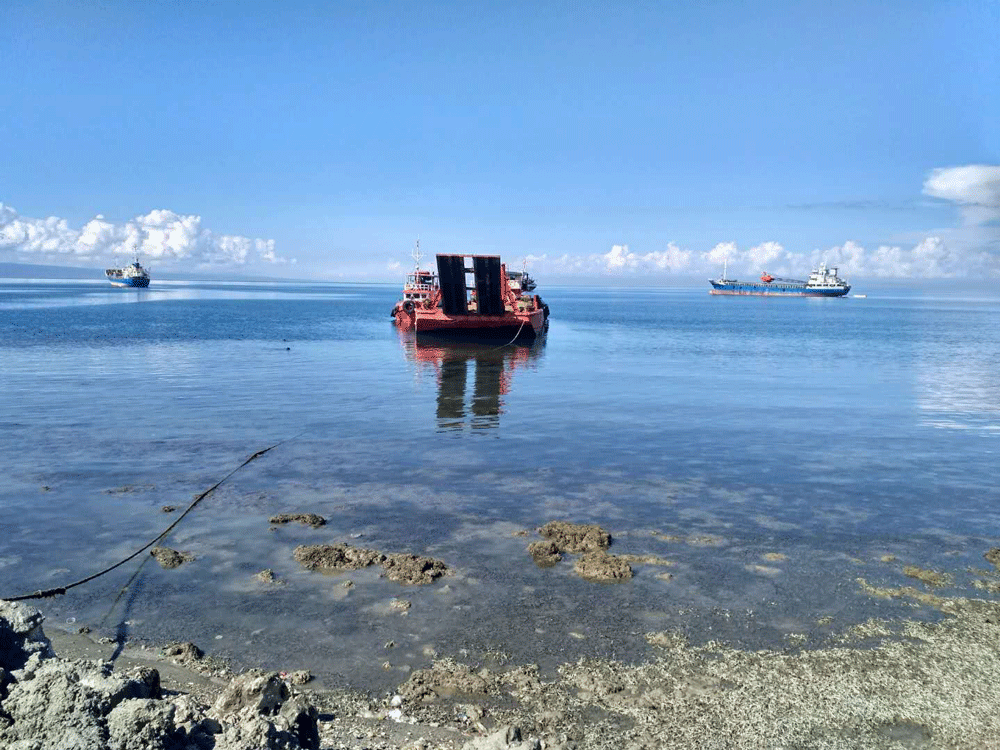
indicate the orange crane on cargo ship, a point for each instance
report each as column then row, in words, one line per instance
column 768, row 278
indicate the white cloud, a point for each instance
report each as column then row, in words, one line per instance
column 161, row 235
column 975, row 187
column 619, row 259
column 767, row 256
column 930, row 258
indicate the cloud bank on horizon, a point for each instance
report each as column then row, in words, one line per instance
column 974, row 188
column 168, row 237
column 161, row 235
column 930, row 258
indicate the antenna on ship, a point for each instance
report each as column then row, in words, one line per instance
column 725, row 267
column 416, row 255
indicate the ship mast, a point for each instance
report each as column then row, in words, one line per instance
column 416, row 256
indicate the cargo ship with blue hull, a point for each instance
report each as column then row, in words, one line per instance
column 133, row 275
column 823, row 282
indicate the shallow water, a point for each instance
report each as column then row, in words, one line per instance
column 831, row 431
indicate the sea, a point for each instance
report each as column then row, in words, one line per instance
column 768, row 457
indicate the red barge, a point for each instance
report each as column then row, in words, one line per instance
column 472, row 297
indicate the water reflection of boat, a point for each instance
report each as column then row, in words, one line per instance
column 491, row 368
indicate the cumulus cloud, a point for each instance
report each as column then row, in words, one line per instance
column 767, row 256
column 975, row 187
column 931, row 258
column 161, row 235
column 619, row 259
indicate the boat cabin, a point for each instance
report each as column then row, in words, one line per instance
column 419, row 285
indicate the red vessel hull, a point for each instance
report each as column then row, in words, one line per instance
column 520, row 325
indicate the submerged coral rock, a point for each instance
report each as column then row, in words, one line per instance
column 930, row 577
column 169, row 558
column 413, row 569
column 545, row 554
column 307, row 519
column 400, row 567
column 993, row 556
column 573, row 537
column 336, row 557
column 267, row 576
column 600, row 566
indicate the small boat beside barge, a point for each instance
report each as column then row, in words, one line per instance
column 419, row 286
column 823, row 282
column 472, row 298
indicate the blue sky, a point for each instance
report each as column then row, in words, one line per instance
column 245, row 134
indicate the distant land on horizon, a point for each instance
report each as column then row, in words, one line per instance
column 44, row 271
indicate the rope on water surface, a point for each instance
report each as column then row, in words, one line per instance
column 512, row 340
column 59, row 590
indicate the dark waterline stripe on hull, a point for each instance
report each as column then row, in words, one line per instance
column 777, row 294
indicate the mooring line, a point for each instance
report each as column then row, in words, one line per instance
column 59, row 590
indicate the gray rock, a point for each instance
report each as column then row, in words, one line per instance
column 505, row 738
column 262, row 692
column 21, row 635
column 302, row 720
column 65, row 704
column 257, row 712
column 58, row 706
column 250, row 731
column 48, row 703
column 144, row 682
column 144, row 724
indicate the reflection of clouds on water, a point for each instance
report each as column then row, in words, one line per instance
column 472, row 379
column 959, row 389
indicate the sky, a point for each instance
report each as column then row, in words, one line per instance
column 633, row 140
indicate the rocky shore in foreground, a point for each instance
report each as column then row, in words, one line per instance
column 50, row 702
column 920, row 683
column 884, row 684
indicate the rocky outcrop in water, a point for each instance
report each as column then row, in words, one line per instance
column 48, row 702
column 591, row 542
column 169, row 558
column 575, row 537
column 401, row 567
column 306, row 519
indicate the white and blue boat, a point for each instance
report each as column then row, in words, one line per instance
column 133, row 275
column 823, row 282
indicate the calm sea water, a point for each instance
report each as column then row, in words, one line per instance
column 833, row 432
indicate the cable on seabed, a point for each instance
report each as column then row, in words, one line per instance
column 59, row 590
